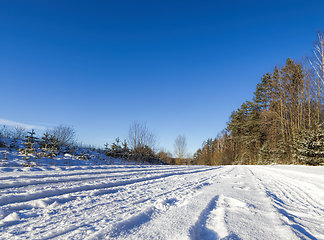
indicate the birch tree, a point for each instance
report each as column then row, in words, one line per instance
column 318, row 66
column 180, row 145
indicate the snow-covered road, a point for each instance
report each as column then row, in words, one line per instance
column 162, row 202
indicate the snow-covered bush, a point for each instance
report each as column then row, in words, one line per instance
column 309, row 147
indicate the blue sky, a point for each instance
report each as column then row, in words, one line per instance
column 180, row 66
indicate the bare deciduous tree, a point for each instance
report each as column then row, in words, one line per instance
column 180, row 145
column 19, row 132
column 140, row 136
column 5, row 132
column 318, row 66
column 65, row 135
column 318, row 62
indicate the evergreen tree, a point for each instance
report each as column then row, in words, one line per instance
column 107, row 152
column 262, row 94
column 282, row 124
column 29, row 149
column 45, row 144
column 265, row 155
column 125, row 150
column 53, row 147
column 196, row 156
column 116, row 149
column 309, row 147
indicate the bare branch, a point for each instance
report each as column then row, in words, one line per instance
column 140, row 136
column 180, row 145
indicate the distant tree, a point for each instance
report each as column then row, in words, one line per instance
column 140, row 136
column 107, row 152
column 29, row 149
column 116, row 149
column 19, row 132
column 196, row 156
column 166, row 157
column 142, row 142
column 5, row 132
column 53, row 144
column 125, row 150
column 65, row 135
column 45, row 144
column 180, row 145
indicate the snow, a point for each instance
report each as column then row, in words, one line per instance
column 16, row 159
column 162, row 202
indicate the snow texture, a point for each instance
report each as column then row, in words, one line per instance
column 16, row 159
column 162, row 202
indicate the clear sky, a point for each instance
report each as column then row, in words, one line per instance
column 180, row 66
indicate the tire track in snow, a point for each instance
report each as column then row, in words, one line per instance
column 294, row 216
column 213, row 218
column 96, row 192
column 211, row 223
column 156, row 209
column 237, row 212
column 230, row 202
column 4, row 200
column 69, row 198
column 45, row 179
column 294, row 195
column 66, row 172
column 193, row 201
column 167, row 202
column 297, row 190
column 200, row 229
column 293, row 205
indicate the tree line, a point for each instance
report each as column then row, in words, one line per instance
column 282, row 124
column 53, row 142
column 139, row 147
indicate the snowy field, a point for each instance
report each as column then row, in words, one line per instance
column 162, row 202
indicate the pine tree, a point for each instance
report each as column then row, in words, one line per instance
column 116, row 149
column 45, row 144
column 53, row 151
column 263, row 92
column 107, row 152
column 29, row 150
column 196, row 156
column 264, row 155
column 309, row 147
column 125, row 151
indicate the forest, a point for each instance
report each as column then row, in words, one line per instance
column 282, row 124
